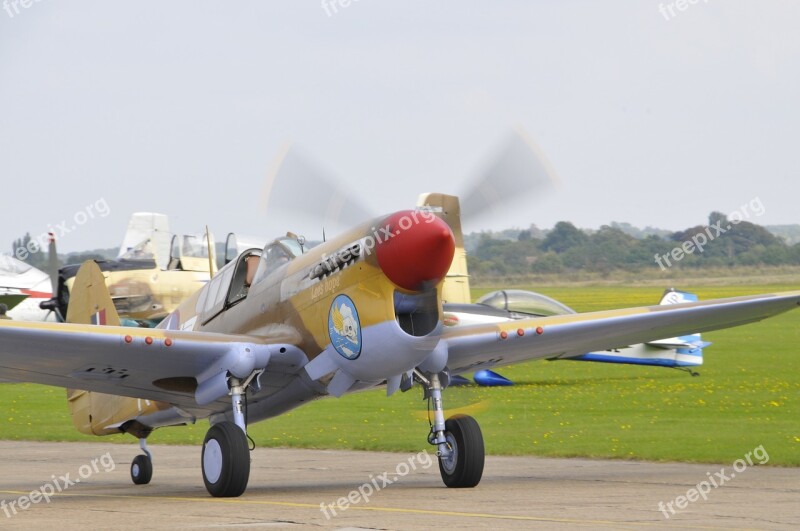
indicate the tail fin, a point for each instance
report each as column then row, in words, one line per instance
column 89, row 301
column 100, row 413
column 456, row 283
column 678, row 352
column 673, row 296
column 144, row 226
column 688, row 348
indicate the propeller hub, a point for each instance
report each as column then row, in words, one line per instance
column 415, row 250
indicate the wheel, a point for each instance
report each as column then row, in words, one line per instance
column 141, row 470
column 463, row 468
column 225, row 460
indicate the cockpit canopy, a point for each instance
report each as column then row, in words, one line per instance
column 236, row 244
column 232, row 283
column 142, row 251
column 524, row 302
column 190, row 253
column 277, row 253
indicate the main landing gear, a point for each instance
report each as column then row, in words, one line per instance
column 226, row 454
column 459, row 440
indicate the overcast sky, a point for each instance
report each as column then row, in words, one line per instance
column 181, row 107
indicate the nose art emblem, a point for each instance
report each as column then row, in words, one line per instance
column 344, row 327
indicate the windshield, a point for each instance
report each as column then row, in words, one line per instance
column 293, row 246
column 277, row 253
column 525, row 302
column 143, row 251
column 193, row 247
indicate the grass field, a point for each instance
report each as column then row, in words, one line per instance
column 746, row 396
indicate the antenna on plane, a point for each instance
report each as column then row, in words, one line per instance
column 210, row 255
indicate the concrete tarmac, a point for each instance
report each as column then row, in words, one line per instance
column 397, row 491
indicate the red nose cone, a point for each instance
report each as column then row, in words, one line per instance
column 419, row 251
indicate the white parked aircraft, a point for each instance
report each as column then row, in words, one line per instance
column 22, row 288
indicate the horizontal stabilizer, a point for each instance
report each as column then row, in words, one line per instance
column 690, row 342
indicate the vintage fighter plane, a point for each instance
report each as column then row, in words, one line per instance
column 154, row 272
column 282, row 326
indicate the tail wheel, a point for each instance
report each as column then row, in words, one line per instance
column 226, row 460
column 141, row 470
column 463, row 468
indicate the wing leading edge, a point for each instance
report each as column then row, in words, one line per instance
column 566, row 336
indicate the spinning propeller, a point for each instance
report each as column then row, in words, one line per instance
column 297, row 186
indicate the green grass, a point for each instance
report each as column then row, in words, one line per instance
column 747, row 395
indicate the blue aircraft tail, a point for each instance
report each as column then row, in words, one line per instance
column 681, row 352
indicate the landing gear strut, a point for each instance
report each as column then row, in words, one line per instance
column 226, row 454
column 459, row 440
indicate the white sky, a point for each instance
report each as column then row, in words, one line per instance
column 180, row 107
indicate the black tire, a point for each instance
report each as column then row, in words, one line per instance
column 465, row 468
column 141, row 470
column 225, row 460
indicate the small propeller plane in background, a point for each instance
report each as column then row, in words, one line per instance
column 507, row 305
column 281, row 326
column 155, row 271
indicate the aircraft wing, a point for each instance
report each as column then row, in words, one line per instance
column 565, row 336
column 183, row 368
column 12, row 299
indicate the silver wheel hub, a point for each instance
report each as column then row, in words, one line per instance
column 212, row 461
column 449, row 462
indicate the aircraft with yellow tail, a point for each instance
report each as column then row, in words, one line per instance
column 282, row 326
column 154, row 272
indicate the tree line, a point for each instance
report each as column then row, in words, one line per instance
column 36, row 255
column 568, row 248
column 565, row 248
